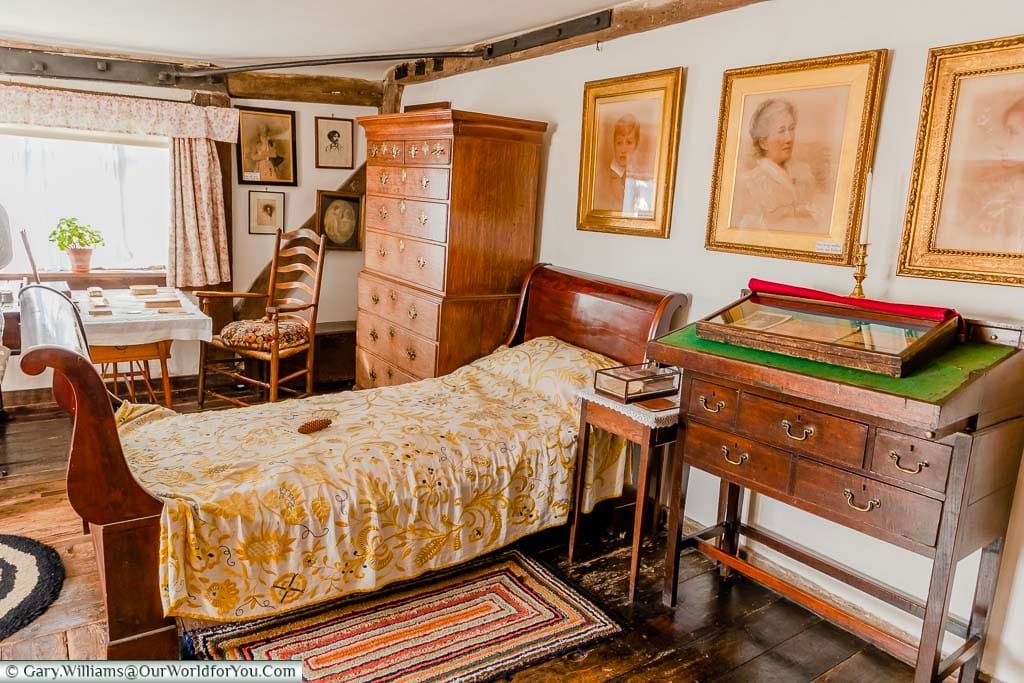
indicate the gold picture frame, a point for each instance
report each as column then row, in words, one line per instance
column 795, row 143
column 628, row 173
column 965, row 205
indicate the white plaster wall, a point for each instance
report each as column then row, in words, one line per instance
column 252, row 252
column 551, row 89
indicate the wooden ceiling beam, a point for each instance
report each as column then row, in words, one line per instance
column 628, row 18
column 256, row 85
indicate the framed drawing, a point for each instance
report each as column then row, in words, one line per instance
column 795, row 143
column 628, row 153
column 266, row 212
column 965, row 208
column 339, row 218
column 266, row 147
column 334, row 142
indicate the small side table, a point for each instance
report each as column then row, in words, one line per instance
column 652, row 425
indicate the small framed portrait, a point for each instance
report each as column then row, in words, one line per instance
column 334, row 142
column 339, row 218
column 266, row 147
column 795, row 144
column 266, row 212
column 628, row 153
column 965, row 208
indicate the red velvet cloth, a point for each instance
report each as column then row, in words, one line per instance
column 911, row 310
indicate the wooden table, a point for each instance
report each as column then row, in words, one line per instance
column 650, row 439
column 928, row 462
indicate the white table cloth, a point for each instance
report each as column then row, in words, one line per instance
column 132, row 323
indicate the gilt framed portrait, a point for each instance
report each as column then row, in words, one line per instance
column 334, row 142
column 628, row 153
column 795, row 144
column 965, row 206
column 266, row 147
column 339, row 218
column 266, row 212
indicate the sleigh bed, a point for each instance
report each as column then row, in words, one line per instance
column 235, row 515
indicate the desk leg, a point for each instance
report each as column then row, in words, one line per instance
column 984, row 592
column 579, row 468
column 730, row 505
column 678, row 481
column 165, row 348
column 638, row 514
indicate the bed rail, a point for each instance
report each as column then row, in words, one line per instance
column 101, row 488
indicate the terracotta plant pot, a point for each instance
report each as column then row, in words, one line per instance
column 80, row 258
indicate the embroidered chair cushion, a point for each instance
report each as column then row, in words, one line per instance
column 258, row 334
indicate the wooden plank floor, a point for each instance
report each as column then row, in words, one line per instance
column 723, row 629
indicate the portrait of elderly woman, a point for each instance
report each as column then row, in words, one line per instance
column 779, row 192
column 795, row 144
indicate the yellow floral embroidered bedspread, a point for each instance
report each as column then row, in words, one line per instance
column 259, row 519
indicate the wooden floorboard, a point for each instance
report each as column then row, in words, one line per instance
column 722, row 629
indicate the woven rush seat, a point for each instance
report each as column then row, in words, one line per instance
column 258, row 334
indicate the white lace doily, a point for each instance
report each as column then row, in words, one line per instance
column 648, row 418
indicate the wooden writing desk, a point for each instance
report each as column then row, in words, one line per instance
column 928, row 463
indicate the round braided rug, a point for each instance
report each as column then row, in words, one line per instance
column 31, row 576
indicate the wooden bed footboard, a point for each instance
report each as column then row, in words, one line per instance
column 123, row 518
column 607, row 316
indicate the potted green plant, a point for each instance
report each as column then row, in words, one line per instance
column 77, row 240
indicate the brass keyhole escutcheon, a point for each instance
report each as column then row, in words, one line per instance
column 425, row 182
column 404, row 175
column 391, row 332
column 393, row 296
column 401, row 207
column 401, row 245
column 413, row 151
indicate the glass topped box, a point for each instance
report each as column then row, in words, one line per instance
column 840, row 334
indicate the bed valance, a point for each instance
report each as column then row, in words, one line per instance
column 115, row 114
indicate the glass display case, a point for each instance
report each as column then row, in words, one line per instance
column 839, row 334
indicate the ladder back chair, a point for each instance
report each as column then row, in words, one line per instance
column 287, row 329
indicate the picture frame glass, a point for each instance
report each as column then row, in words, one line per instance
column 334, row 143
column 339, row 220
column 266, row 212
column 795, row 145
column 266, row 147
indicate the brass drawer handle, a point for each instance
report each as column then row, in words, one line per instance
column 425, row 182
column 872, row 504
column 391, row 373
column 438, row 150
column 423, row 218
column 391, row 332
column 787, row 425
column 393, row 296
column 896, row 461
column 421, row 262
column 383, row 251
column 373, row 335
column 703, row 400
column 383, row 177
column 375, row 299
column 412, row 312
column 411, row 353
column 373, row 375
column 374, row 150
column 383, row 211
column 742, row 459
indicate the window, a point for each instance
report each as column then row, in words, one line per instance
column 118, row 184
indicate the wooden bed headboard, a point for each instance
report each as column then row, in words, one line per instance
column 611, row 317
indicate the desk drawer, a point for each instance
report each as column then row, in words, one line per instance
column 712, row 403
column 401, row 348
column 858, row 501
column 736, row 458
column 429, row 152
column 808, row 431
column 372, row 372
column 426, row 183
column 385, row 151
column 425, row 220
column 131, row 352
column 912, row 460
column 418, row 263
column 399, row 304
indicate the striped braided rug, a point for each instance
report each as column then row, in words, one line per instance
column 475, row 622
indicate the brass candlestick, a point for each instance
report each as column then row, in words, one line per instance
column 860, row 263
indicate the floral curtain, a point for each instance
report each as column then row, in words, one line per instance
column 199, row 237
column 198, row 252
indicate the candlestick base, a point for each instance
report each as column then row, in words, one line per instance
column 860, row 273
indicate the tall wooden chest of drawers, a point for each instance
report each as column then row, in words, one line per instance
column 451, row 204
column 927, row 462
